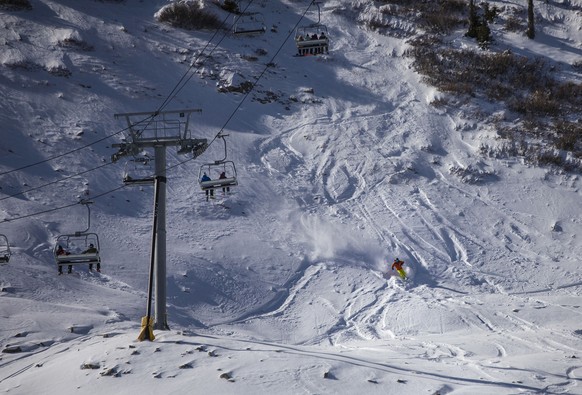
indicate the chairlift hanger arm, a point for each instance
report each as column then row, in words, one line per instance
column 86, row 203
column 222, row 136
column 318, row 12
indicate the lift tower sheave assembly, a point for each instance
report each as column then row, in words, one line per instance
column 158, row 130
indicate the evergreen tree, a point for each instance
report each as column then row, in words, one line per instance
column 473, row 20
column 478, row 26
column 531, row 31
column 230, row 6
column 483, row 34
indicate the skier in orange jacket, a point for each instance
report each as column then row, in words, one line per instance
column 398, row 266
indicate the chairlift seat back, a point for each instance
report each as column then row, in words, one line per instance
column 212, row 169
column 312, row 42
column 218, row 183
column 249, row 25
column 90, row 258
column 128, row 180
column 75, row 245
column 240, row 30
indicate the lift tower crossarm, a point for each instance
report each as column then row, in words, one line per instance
column 161, row 128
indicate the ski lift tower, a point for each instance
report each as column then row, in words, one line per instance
column 159, row 130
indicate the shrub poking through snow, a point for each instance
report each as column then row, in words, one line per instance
column 15, row 5
column 188, row 14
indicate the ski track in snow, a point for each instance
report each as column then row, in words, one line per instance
column 353, row 184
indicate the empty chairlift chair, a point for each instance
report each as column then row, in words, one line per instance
column 139, row 171
column 249, row 24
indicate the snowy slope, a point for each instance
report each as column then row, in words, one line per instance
column 343, row 163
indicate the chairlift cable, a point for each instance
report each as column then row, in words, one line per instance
column 55, row 182
column 68, row 152
column 182, row 83
column 241, row 16
column 61, row 207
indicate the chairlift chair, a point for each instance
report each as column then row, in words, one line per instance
column 139, row 171
column 4, row 249
column 312, row 40
column 76, row 246
column 81, row 247
column 249, row 24
column 214, row 170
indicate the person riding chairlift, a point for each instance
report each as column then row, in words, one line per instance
column 223, row 177
column 61, row 251
column 92, row 250
column 204, row 179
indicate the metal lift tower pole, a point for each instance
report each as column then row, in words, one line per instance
column 160, row 263
column 159, row 130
